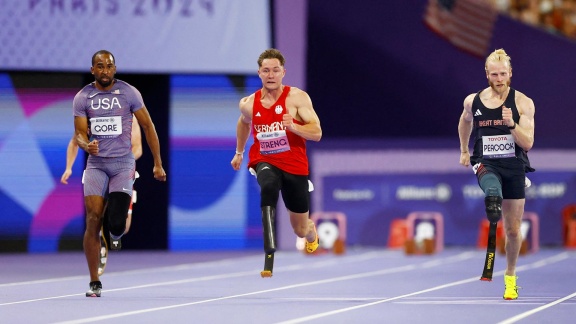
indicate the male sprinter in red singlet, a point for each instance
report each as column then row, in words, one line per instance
column 71, row 154
column 503, row 123
column 105, row 109
column 281, row 119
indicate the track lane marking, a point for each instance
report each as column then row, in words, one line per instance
column 536, row 264
column 522, row 316
column 455, row 258
column 295, row 267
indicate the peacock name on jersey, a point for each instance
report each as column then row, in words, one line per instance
column 498, row 146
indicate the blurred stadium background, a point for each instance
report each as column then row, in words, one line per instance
column 387, row 79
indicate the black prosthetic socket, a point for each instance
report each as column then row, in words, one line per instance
column 117, row 211
column 268, row 220
column 493, row 204
column 270, row 185
column 490, row 184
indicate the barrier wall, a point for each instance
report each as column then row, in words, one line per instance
column 373, row 187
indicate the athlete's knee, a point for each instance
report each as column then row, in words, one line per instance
column 512, row 228
column 93, row 224
column 268, row 181
column 93, row 221
column 269, row 191
column 513, row 233
column 92, row 218
column 116, row 211
column 492, row 187
column 493, row 205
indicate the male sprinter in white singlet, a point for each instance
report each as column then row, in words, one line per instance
column 104, row 110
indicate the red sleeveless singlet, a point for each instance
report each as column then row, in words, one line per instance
column 272, row 142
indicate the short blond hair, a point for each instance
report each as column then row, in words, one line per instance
column 498, row 55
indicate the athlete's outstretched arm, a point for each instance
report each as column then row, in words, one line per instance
column 153, row 143
column 242, row 130
column 136, row 139
column 71, row 153
column 465, row 130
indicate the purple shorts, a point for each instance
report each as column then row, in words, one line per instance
column 109, row 174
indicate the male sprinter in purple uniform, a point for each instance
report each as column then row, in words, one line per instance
column 72, row 153
column 104, row 110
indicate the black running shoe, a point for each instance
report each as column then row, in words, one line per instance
column 95, row 289
column 115, row 244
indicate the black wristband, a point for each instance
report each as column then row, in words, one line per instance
column 512, row 127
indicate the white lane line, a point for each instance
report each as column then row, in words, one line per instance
column 347, row 309
column 460, row 257
column 295, row 267
column 183, row 267
column 148, row 310
column 430, row 300
column 178, row 267
column 539, row 263
column 167, row 283
column 536, row 310
column 41, row 281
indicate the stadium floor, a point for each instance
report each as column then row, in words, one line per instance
column 363, row 285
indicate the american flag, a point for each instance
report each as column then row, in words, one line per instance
column 467, row 24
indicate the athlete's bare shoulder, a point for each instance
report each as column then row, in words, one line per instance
column 521, row 96
column 294, row 91
column 298, row 96
column 485, row 94
column 524, row 103
column 468, row 101
column 246, row 105
column 247, row 102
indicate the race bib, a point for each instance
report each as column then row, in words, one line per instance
column 498, row 146
column 106, row 127
column 273, row 142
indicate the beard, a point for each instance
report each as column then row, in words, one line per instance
column 105, row 84
column 493, row 86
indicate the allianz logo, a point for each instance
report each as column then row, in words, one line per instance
column 441, row 192
column 353, row 194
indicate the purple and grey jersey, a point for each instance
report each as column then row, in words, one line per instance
column 109, row 115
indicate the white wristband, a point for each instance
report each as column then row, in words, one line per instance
column 240, row 153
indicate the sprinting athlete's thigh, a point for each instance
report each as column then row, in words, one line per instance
column 95, row 182
column 295, row 192
column 122, row 171
column 514, row 183
column 104, row 175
